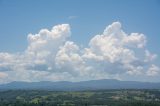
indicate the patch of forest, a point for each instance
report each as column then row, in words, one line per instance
column 122, row 97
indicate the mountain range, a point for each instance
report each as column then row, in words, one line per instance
column 82, row 85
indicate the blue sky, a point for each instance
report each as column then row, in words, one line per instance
column 18, row 18
column 86, row 18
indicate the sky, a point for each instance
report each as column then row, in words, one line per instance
column 76, row 40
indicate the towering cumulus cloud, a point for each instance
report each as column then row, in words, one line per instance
column 51, row 56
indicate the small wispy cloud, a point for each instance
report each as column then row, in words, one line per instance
column 72, row 17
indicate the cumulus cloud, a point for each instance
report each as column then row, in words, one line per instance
column 51, row 56
column 117, row 51
column 153, row 70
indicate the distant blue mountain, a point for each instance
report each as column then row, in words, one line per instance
column 83, row 85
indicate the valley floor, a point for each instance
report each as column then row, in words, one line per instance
column 122, row 97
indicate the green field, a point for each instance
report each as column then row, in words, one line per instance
column 80, row 98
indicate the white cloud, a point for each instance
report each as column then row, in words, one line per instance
column 43, row 46
column 112, row 46
column 153, row 70
column 3, row 75
column 135, row 40
column 149, row 57
column 46, row 41
column 50, row 56
column 68, row 58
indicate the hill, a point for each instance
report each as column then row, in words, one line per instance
column 82, row 85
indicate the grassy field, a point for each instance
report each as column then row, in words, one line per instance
column 80, row 98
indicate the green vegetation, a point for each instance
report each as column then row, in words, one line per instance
column 80, row 98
